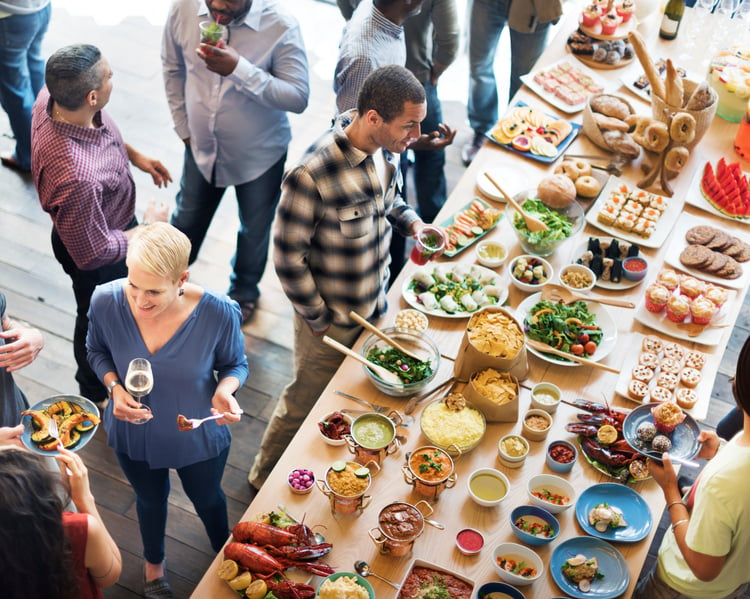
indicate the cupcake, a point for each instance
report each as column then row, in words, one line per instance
column 702, row 310
column 625, row 10
column 718, row 295
column 590, row 16
column 691, row 286
column 686, row 398
column 667, row 416
column 678, row 308
column 610, row 21
column 669, row 278
column 657, row 297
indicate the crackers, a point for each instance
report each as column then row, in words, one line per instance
column 715, row 252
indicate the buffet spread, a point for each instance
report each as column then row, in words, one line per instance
column 508, row 453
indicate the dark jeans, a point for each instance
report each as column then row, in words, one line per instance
column 202, row 484
column 197, row 202
column 84, row 282
column 731, row 424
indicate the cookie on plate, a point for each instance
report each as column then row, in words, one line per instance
column 695, row 359
column 674, row 350
column 686, row 398
column 652, row 344
column 668, row 380
column 670, row 365
column 649, row 359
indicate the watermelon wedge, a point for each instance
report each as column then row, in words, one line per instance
column 726, row 189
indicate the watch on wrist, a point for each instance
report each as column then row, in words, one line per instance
column 111, row 386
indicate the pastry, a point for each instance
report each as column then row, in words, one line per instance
column 648, row 359
column 667, row 417
column 695, row 359
column 670, row 365
column 673, row 350
column 657, row 297
column 659, row 394
column 691, row 286
column 652, row 344
column 637, row 390
column 668, row 380
column 685, row 398
column 690, row 377
column 702, row 310
column 669, row 278
column 678, row 308
column 718, row 295
column 642, row 373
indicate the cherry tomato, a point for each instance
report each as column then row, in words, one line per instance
column 577, row 349
column 590, row 347
column 583, row 338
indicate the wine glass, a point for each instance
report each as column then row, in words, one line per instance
column 139, row 381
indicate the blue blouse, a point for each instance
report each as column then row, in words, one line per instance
column 208, row 346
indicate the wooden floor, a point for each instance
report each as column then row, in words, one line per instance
column 39, row 292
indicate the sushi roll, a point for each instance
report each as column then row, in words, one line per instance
column 422, row 278
column 607, row 270
column 615, row 274
column 586, row 258
column 468, row 302
column 613, row 250
column 597, row 266
column 428, row 299
column 624, row 249
column 594, row 245
column 633, row 250
column 448, row 304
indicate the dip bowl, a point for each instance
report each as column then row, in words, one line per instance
column 430, row 470
column 488, row 487
column 516, row 554
column 634, row 268
column 524, row 517
column 512, row 450
column 532, row 424
column 553, row 493
column 416, row 342
column 373, row 437
column 546, row 396
column 502, row 588
column 561, row 456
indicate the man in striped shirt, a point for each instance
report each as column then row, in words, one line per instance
column 331, row 238
column 81, row 172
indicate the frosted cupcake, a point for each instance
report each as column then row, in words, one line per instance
column 657, row 297
column 669, row 278
column 678, row 308
column 667, row 417
column 691, row 286
column 718, row 295
column 625, row 10
column 702, row 310
column 610, row 21
column 590, row 16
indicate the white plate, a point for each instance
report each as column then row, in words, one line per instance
column 603, row 319
column 413, row 301
column 511, row 180
column 694, row 197
column 678, row 243
column 623, row 284
column 663, row 225
column 659, row 321
column 629, row 78
column 703, row 389
column 550, row 97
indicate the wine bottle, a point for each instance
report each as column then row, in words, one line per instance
column 670, row 23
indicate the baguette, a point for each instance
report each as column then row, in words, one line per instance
column 674, row 88
column 639, row 47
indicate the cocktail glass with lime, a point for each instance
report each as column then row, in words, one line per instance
column 211, row 33
column 429, row 244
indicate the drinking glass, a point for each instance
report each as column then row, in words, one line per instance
column 139, row 381
column 212, row 33
column 430, row 244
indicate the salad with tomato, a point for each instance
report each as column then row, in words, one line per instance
column 568, row 327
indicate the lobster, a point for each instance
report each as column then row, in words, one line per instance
column 293, row 543
column 599, row 408
column 608, row 457
column 579, row 428
column 286, row 589
column 262, row 563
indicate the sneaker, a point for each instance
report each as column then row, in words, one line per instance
column 469, row 151
column 157, row 589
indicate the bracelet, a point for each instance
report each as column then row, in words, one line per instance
column 112, row 385
column 676, row 524
column 669, row 505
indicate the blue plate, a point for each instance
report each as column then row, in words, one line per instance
column 684, row 438
column 86, row 436
column 611, row 564
column 635, row 511
column 561, row 147
column 449, row 221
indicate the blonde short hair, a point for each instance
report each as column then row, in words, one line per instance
column 160, row 249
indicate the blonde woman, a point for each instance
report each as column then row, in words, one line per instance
column 192, row 338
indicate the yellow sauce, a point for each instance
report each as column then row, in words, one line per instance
column 488, row 487
column 491, row 251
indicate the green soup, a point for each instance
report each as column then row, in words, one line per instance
column 372, row 432
column 488, row 487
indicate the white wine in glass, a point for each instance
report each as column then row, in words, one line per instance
column 139, row 381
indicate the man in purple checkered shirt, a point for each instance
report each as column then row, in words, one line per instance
column 83, row 179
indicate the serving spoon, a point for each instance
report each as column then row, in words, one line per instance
column 363, row 569
column 387, row 338
column 555, row 292
column 383, row 373
column 548, row 349
column 532, row 222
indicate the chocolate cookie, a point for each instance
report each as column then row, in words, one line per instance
column 700, row 235
column 696, row 256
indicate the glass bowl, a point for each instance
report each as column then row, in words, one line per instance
column 540, row 243
column 416, row 342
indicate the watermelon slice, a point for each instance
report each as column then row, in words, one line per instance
column 727, row 189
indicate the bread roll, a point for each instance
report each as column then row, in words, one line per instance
column 609, row 105
column 556, row 191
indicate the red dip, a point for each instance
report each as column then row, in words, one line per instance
column 561, row 453
column 470, row 540
column 635, row 264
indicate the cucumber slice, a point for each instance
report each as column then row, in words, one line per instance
column 338, row 466
column 477, row 230
column 362, row 472
column 462, row 240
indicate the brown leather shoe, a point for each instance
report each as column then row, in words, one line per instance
column 469, row 151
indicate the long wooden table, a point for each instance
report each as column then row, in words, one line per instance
column 349, row 533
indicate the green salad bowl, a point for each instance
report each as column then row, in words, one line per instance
column 563, row 224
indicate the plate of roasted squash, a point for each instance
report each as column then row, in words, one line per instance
column 77, row 419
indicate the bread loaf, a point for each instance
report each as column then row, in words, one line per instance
column 702, row 97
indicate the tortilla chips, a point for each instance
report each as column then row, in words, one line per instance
column 498, row 387
column 495, row 334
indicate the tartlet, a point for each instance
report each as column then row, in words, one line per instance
column 686, row 398
column 659, row 394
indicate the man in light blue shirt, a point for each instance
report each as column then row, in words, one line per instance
column 229, row 105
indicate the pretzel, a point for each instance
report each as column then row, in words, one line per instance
column 673, row 88
column 639, row 47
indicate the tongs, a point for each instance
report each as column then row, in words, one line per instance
column 613, row 166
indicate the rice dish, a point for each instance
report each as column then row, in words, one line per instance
column 445, row 427
column 344, row 587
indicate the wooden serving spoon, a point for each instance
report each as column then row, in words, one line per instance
column 532, row 222
column 548, row 349
column 694, row 329
column 388, row 339
column 556, row 293
column 383, row 373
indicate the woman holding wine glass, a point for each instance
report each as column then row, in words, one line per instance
column 186, row 334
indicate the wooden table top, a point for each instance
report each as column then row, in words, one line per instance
column 349, row 533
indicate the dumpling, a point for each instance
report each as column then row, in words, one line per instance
column 448, row 304
column 428, row 299
column 480, row 297
column 468, row 302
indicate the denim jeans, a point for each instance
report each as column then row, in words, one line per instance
column 429, row 178
column 486, row 23
column 197, row 202
column 22, row 74
column 202, row 484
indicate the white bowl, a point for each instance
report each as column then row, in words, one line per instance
column 491, row 254
column 572, row 274
column 533, row 434
column 494, row 487
column 519, row 553
column 553, row 484
column 530, row 287
column 508, row 460
column 546, row 396
column 328, row 440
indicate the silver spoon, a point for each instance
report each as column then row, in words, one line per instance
column 363, row 569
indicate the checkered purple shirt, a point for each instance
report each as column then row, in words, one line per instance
column 83, row 180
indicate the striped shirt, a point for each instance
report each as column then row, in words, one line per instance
column 370, row 40
column 83, row 179
column 332, row 232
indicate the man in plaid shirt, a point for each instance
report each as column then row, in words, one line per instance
column 81, row 172
column 332, row 238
